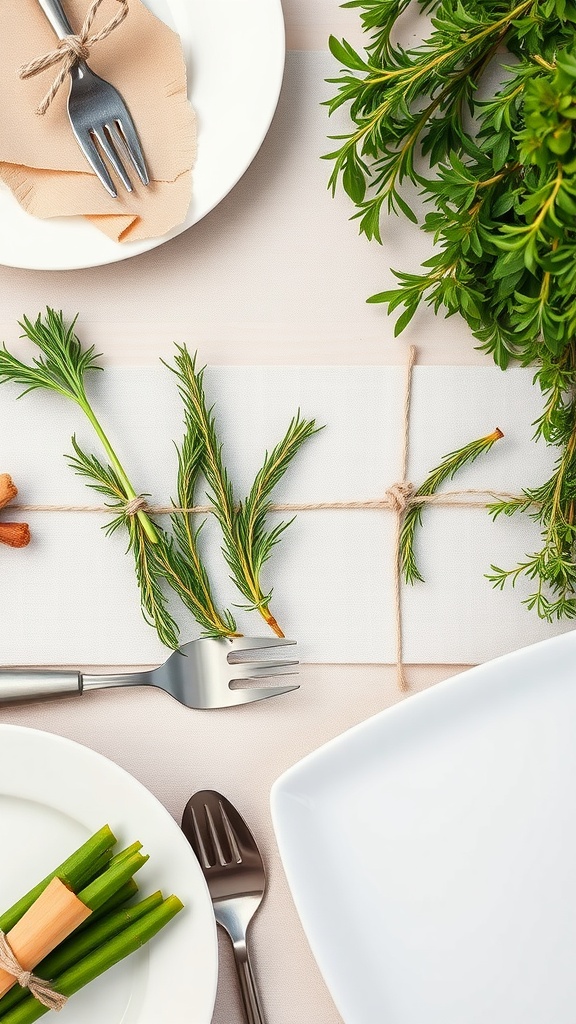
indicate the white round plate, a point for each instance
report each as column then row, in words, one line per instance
column 235, row 58
column 53, row 795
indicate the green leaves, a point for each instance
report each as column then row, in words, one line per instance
column 402, row 100
column 347, row 55
column 501, row 199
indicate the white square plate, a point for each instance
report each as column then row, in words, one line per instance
column 431, row 851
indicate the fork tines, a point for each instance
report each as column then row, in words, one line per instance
column 247, row 668
column 215, row 846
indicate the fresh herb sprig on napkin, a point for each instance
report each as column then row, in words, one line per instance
column 450, row 465
column 247, row 539
column 168, row 560
column 502, row 198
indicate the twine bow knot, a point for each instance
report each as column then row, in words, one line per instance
column 38, row 987
column 71, row 50
column 399, row 496
column 135, row 505
column 75, row 46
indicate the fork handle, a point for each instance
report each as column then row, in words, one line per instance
column 55, row 13
column 250, row 997
column 23, row 686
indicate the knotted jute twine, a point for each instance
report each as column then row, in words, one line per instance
column 41, row 990
column 396, row 499
column 72, row 49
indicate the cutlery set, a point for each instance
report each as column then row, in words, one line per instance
column 198, row 675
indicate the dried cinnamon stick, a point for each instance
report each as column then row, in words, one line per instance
column 16, row 535
column 8, row 489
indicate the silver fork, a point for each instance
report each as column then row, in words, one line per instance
column 98, row 115
column 234, row 870
column 198, row 675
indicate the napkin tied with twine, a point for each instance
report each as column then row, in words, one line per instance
column 41, row 161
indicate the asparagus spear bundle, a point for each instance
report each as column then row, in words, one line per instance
column 103, row 884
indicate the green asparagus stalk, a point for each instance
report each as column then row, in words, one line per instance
column 76, row 871
column 78, row 945
column 105, row 885
column 98, row 961
column 93, row 869
column 118, row 899
column 134, row 848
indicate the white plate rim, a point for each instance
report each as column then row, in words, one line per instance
column 24, row 739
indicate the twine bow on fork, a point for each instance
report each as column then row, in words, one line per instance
column 72, row 49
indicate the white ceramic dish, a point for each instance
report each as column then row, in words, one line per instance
column 235, row 58
column 53, row 795
column 431, row 850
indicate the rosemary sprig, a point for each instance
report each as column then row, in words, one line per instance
column 450, row 465
column 175, row 560
column 247, row 539
column 168, row 560
column 501, row 195
column 158, row 557
column 182, row 565
column 104, row 480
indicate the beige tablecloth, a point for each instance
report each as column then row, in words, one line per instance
column 240, row 752
column 253, row 283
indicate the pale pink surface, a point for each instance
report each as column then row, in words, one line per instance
column 216, row 287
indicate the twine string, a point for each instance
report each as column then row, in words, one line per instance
column 448, row 499
column 399, row 495
column 71, row 50
column 38, row 987
column 397, row 499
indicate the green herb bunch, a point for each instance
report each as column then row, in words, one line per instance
column 169, row 560
column 501, row 192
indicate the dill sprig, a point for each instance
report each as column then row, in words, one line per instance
column 497, row 171
column 62, row 367
column 450, row 465
column 248, row 540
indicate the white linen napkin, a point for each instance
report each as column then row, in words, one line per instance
column 71, row 596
